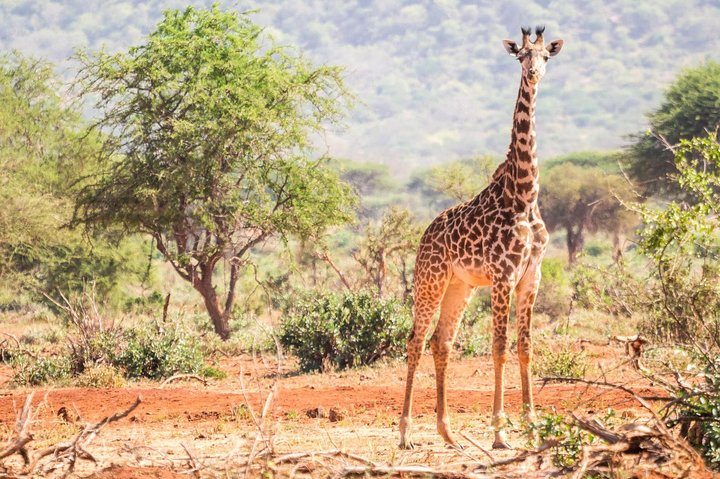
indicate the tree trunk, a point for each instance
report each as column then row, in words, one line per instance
column 220, row 318
column 575, row 241
column 326, row 257
column 380, row 273
column 618, row 241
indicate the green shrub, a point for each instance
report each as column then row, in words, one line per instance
column 101, row 376
column 697, row 410
column 681, row 297
column 248, row 334
column 152, row 353
column 555, row 294
column 344, row 330
column 95, row 350
column 475, row 335
column 564, row 363
column 88, row 349
column 31, row 371
column 612, row 290
column 571, row 438
column 213, row 372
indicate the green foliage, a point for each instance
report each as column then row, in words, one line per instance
column 563, row 363
column 580, row 199
column 462, row 180
column 344, row 330
column 554, row 295
column 682, row 298
column 87, row 349
column 100, row 376
column 43, row 156
column 691, row 107
column 155, row 354
column 98, row 352
column 605, row 160
column 610, row 290
column 209, row 145
column 366, row 178
column 36, row 371
column 683, row 242
column 553, row 426
column 445, row 185
column 145, row 352
column 389, row 246
column 475, row 335
column 699, row 412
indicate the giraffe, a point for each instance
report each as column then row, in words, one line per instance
column 496, row 239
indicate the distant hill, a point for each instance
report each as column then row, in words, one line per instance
column 433, row 78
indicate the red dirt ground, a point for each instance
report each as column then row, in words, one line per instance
column 362, row 395
column 194, row 404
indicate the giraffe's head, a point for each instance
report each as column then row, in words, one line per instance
column 533, row 55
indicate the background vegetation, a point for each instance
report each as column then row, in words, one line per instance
column 434, row 81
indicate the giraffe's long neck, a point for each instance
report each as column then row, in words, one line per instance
column 521, row 179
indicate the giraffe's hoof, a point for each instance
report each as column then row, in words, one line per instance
column 407, row 445
column 501, row 444
column 455, row 445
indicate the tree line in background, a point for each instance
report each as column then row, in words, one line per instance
column 202, row 151
column 434, row 73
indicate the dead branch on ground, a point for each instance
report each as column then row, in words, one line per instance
column 183, row 376
column 634, row 346
column 22, row 436
column 18, row 347
column 60, row 458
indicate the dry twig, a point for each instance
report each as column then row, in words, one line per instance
column 183, row 376
column 22, row 432
column 67, row 454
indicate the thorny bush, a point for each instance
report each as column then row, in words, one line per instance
column 683, row 242
column 344, row 330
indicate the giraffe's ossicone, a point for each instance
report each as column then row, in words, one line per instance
column 496, row 239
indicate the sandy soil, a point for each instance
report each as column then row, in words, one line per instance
column 187, row 418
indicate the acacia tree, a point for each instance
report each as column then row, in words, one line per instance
column 584, row 199
column 445, row 185
column 690, row 109
column 394, row 239
column 43, row 152
column 209, row 146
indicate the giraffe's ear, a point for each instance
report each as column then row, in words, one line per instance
column 554, row 47
column 511, row 47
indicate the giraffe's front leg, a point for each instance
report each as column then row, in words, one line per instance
column 441, row 343
column 500, row 297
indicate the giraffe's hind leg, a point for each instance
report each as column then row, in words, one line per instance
column 526, row 292
column 451, row 309
column 428, row 294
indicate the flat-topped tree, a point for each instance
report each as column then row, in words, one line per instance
column 208, row 146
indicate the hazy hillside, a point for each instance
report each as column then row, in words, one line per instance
column 434, row 80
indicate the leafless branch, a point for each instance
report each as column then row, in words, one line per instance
column 183, row 376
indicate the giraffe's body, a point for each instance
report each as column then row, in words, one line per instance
column 497, row 239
